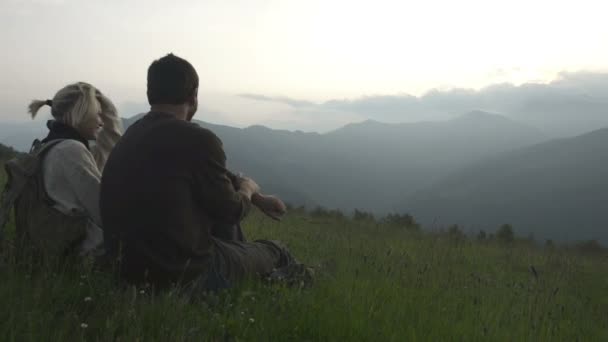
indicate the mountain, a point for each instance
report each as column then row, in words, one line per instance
column 387, row 161
column 256, row 151
column 560, row 112
column 557, row 189
column 368, row 165
column 479, row 170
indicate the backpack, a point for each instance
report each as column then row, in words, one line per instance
column 37, row 222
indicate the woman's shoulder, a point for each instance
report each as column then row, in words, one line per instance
column 68, row 146
column 69, row 149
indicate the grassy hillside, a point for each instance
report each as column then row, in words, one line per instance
column 375, row 282
column 2, row 175
column 6, row 153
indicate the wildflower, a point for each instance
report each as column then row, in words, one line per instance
column 84, row 325
column 251, row 320
column 142, row 292
column 88, row 299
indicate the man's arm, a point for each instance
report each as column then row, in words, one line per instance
column 221, row 199
column 268, row 204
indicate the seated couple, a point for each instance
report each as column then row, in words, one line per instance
column 162, row 204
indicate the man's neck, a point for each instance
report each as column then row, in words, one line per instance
column 179, row 111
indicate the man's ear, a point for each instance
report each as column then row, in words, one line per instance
column 192, row 104
column 194, row 96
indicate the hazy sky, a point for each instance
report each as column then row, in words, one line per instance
column 313, row 50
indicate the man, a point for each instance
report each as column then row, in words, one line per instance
column 170, row 208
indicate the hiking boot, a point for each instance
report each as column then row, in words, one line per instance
column 293, row 275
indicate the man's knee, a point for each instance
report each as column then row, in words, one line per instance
column 284, row 255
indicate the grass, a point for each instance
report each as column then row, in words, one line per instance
column 374, row 283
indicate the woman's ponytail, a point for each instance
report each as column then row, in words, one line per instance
column 35, row 106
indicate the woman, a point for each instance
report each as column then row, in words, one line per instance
column 71, row 168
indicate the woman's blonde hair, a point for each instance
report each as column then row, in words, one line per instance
column 72, row 105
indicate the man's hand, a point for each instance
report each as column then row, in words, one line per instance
column 248, row 186
column 269, row 205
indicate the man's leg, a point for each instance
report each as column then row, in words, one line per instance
column 235, row 261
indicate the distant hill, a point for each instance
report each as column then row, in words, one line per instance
column 21, row 135
column 479, row 170
column 379, row 163
column 557, row 189
column 251, row 151
column 368, row 165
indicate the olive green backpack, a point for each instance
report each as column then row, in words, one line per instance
column 37, row 222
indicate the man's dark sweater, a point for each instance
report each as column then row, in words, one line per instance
column 164, row 187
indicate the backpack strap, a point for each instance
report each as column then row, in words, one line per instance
column 41, row 149
column 19, row 171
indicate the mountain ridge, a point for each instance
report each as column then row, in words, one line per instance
column 554, row 189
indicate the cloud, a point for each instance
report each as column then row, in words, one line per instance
column 279, row 99
column 315, row 119
column 390, row 108
column 574, row 103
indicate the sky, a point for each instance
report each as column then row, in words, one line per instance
column 307, row 50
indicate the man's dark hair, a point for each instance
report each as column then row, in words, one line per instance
column 171, row 80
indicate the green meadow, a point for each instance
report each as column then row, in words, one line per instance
column 374, row 282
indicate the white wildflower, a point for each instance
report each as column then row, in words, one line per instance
column 88, row 299
column 84, row 325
